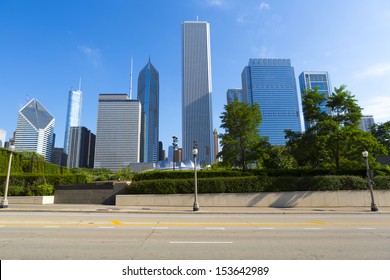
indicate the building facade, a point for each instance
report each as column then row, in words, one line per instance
column 3, row 135
column 118, row 132
column 321, row 81
column 271, row 83
column 148, row 95
column 197, row 122
column 234, row 94
column 81, row 152
column 73, row 115
column 366, row 123
column 35, row 129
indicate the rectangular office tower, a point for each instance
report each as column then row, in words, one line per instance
column 197, row 122
column 35, row 130
column 73, row 115
column 271, row 84
column 81, row 150
column 312, row 80
column 118, row 132
column 148, row 95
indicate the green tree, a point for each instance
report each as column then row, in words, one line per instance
column 382, row 133
column 333, row 140
column 241, row 142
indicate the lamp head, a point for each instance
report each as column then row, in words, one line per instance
column 365, row 154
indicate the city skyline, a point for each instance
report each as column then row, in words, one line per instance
column 44, row 52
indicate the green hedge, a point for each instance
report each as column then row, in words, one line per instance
column 27, row 184
column 188, row 174
column 256, row 184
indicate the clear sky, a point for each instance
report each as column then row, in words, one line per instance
column 47, row 45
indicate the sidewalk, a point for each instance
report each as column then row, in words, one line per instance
column 98, row 208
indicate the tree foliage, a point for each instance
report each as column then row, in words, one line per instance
column 332, row 140
column 241, row 142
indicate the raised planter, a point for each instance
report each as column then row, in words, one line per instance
column 264, row 199
column 31, row 199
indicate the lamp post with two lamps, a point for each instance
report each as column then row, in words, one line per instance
column 195, row 154
column 374, row 208
column 4, row 202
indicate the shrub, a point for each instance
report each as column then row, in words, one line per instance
column 41, row 190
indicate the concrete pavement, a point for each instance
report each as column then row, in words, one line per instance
column 186, row 210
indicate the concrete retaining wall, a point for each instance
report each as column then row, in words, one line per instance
column 96, row 193
column 280, row 200
column 30, row 199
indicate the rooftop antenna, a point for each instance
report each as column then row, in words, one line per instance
column 131, row 78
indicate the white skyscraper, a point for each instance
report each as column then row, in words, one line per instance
column 73, row 115
column 34, row 131
column 2, row 137
column 118, row 132
column 197, row 124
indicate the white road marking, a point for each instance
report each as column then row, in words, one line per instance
column 266, row 228
column 313, row 228
column 159, row 227
column 215, row 228
column 366, row 228
column 106, row 227
column 51, row 226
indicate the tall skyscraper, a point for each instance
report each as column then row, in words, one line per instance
column 3, row 134
column 271, row 84
column 34, row 130
column 366, row 123
column 118, row 132
column 197, row 122
column 234, row 94
column 148, row 95
column 312, row 80
column 73, row 115
column 81, row 152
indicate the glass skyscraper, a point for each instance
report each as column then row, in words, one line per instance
column 316, row 79
column 81, row 152
column 118, row 132
column 148, row 95
column 197, row 123
column 234, row 94
column 73, row 115
column 271, row 83
column 34, row 130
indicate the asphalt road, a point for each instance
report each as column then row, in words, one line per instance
column 124, row 236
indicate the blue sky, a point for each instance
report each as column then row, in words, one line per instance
column 46, row 46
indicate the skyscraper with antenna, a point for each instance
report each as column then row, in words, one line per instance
column 73, row 115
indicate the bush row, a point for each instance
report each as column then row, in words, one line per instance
column 256, row 184
column 30, row 184
column 159, row 175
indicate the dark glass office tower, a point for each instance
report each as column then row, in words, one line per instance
column 148, row 95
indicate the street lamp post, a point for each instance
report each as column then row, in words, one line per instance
column 374, row 208
column 195, row 154
column 174, row 144
column 4, row 202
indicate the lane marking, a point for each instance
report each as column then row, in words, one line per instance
column 313, row 228
column 159, row 227
column 116, row 222
column 51, row 226
column 200, row 242
column 266, row 228
column 106, row 227
column 215, row 228
column 366, row 228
